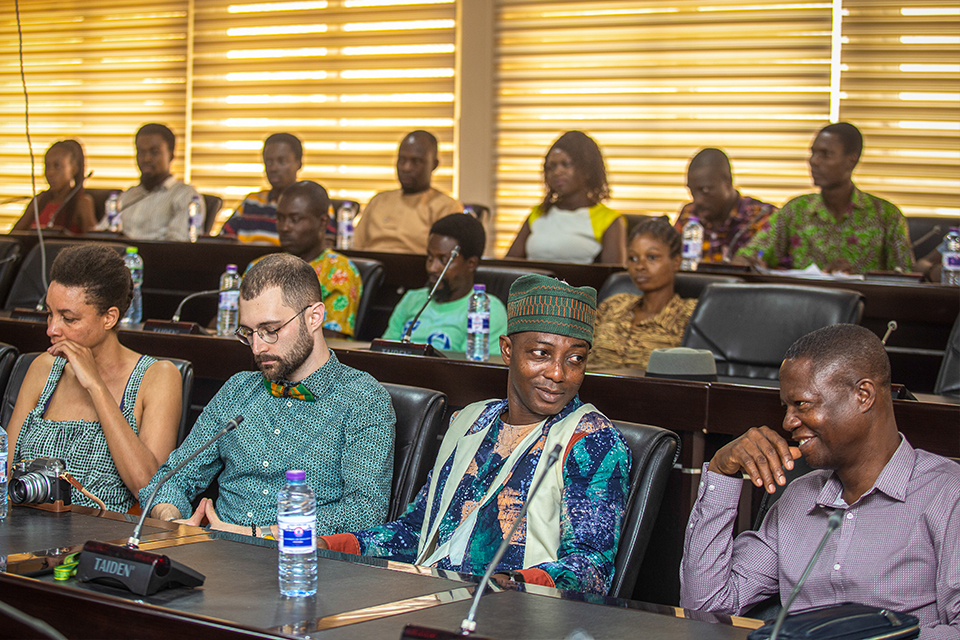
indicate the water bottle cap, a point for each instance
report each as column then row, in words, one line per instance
column 231, row 268
column 693, row 219
column 296, row 475
column 480, row 287
column 131, row 249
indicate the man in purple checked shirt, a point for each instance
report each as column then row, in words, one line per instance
column 899, row 544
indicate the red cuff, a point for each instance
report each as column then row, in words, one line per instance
column 344, row 542
column 536, row 576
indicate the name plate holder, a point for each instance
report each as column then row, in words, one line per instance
column 405, row 348
column 173, row 328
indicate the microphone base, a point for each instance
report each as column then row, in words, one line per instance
column 405, row 348
column 136, row 571
column 176, row 328
column 416, row 632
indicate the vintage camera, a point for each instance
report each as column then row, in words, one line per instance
column 38, row 483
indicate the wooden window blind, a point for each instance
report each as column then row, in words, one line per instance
column 95, row 72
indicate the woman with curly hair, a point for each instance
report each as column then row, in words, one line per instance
column 572, row 224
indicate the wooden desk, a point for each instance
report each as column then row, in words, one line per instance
column 705, row 415
column 357, row 597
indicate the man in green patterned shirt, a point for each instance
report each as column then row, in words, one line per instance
column 839, row 229
column 302, row 214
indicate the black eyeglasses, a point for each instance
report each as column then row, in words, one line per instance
column 245, row 334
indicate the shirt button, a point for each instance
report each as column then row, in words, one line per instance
column 266, row 492
column 249, row 514
column 836, row 567
column 711, row 488
column 276, row 431
column 266, row 464
column 289, row 404
column 849, row 516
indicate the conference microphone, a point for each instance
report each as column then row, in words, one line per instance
column 139, row 571
column 832, row 524
column 891, row 327
column 174, row 325
column 469, row 625
column 404, row 346
column 929, row 234
column 9, row 259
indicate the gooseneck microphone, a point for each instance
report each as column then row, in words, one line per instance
column 133, row 541
column 832, row 524
column 891, row 327
column 929, row 234
column 469, row 624
column 413, row 323
column 142, row 572
column 198, row 294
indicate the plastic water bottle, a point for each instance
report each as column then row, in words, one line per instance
column 478, row 325
column 112, row 211
column 345, row 217
column 135, row 263
column 297, row 539
column 3, row 475
column 950, row 273
column 692, row 244
column 228, row 308
column 196, row 218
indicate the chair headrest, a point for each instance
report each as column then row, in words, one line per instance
column 682, row 363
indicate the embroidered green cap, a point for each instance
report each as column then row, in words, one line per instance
column 542, row 303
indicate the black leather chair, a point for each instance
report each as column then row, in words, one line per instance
column 749, row 327
column 23, row 364
column 685, row 284
column 212, row 206
column 27, row 287
column 371, row 274
column 499, row 279
column 8, row 356
column 420, row 415
column 9, row 263
column 948, row 380
column 653, row 452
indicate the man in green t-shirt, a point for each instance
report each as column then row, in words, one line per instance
column 443, row 323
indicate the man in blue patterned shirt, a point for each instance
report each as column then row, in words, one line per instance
column 493, row 450
column 303, row 410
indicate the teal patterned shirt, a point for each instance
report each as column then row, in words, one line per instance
column 344, row 441
column 872, row 237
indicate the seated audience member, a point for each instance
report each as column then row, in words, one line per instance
column 63, row 167
column 572, row 224
column 630, row 327
column 398, row 221
column 443, row 323
column 729, row 219
column 302, row 214
column 303, row 409
column 156, row 209
column 111, row 414
column 493, row 448
column 839, row 229
column 898, row 546
column 255, row 220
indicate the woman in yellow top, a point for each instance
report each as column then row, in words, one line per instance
column 630, row 326
column 571, row 224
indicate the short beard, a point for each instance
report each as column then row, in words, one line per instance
column 443, row 292
column 290, row 361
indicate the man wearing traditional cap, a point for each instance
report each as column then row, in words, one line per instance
column 494, row 449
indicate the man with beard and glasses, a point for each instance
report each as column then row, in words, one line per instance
column 303, row 409
column 443, row 323
column 494, row 449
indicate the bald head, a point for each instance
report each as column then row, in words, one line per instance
column 416, row 161
column 710, row 183
column 848, row 351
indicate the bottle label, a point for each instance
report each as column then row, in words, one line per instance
column 3, row 471
column 692, row 249
column 230, row 299
column 478, row 322
column 951, row 260
column 297, row 534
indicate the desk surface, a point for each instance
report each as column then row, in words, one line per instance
column 357, row 597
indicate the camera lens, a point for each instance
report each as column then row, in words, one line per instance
column 30, row 488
